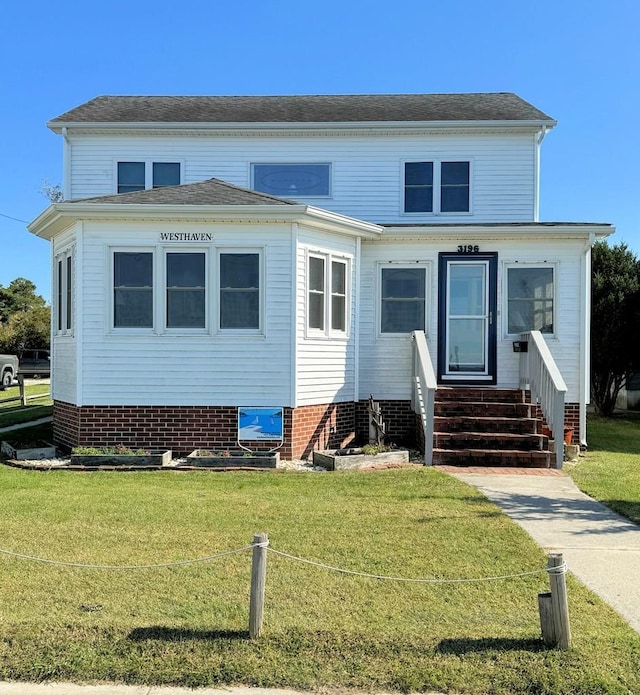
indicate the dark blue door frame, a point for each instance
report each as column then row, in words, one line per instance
column 474, row 376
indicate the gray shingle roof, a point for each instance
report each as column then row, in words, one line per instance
column 210, row 192
column 503, row 106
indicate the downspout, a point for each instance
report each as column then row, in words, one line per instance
column 538, row 142
column 66, row 165
column 585, row 336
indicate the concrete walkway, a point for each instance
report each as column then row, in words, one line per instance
column 601, row 548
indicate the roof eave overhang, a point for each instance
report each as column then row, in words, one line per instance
column 547, row 231
column 61, row 216
column 57, row 126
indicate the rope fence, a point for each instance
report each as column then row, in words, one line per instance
column 553, row 608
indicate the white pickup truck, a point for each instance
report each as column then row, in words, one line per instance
column 8, row 370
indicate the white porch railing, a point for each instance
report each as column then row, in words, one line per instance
column 539, row 372
column 424, row 390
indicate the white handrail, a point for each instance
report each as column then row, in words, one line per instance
column 424, row 390
column 539, row 372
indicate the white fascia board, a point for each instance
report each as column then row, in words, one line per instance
column 548, row 231
column 312, row 125
column 59, row 216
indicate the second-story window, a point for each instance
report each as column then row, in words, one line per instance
column 138, row 176
column 437, row 187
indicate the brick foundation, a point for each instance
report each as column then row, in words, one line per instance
column 185, row 428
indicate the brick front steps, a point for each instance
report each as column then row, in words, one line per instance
column 487, row 427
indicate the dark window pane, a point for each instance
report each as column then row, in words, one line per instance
column 454, row 187
column 418, row 199
column 59, row 295
column 240, row 310
column 402, row 317
column 133, row 308
column 316, row 274
column 133, row 290
column 185, row 270
column 403, row 300
column 418, row 187
column 240, row 291
column 316, row 311
column 130, row 177
column 455, row 199
column 455, row 173
column 69, row 292
column 292, row 179
column 338, row 313
column 185, row 290
column 166, row 174
column 240, row 270
column 338, row 278
column 132, row 269
column 418, row 173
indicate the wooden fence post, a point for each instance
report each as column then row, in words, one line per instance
column 258, row 580
column 559, row 603
column 23, row 393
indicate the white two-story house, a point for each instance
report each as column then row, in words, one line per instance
column 301, row 253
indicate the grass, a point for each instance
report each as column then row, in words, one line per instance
column 188, row 625
column 611, row 471
column 14, row 413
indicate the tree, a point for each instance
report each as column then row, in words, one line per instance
column 20, row 295
column 53, row 191
column 615, row 322
column 30, row 328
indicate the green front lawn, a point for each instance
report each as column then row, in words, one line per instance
column 610, row 472
column 13, row 413
column 188, row 625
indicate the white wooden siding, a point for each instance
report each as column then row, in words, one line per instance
column 64, row 347
column 325, row 369
column 366, row 171
column 385, row 360
column 212, row 369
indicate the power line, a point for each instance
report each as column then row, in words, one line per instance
column 15, row 219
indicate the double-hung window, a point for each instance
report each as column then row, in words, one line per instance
column 133, row 289
column 138, row 176
column 437, row 187
column 327, row 294
column 239, row 299
column 403, row 298
column 530, row 299
column 64, row 293
column 186, row 290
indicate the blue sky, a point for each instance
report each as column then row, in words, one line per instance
column 577, row 60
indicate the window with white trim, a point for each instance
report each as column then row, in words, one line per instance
column 239, row 290
column 185, row 281
column 139, row 176
column 133, row 277
column 327, row 294
column 438, row 187
column 403, row 298
column 292, row 180
column 64, row 293
column 530, row 299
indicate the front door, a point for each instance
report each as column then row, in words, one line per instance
column 467, row 318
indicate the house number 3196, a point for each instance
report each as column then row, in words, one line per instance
column 468, row 249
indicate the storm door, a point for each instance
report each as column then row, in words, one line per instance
column 467, row 318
